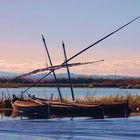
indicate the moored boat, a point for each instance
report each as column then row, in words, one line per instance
column 70, row 109
column 56, row 108
column 27, row 106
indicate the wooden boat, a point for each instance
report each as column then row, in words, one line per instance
column 27, row 106
column 56, row 108
column 71, row 109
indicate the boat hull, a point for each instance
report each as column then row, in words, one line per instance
column 28, row 106
column 59, row 109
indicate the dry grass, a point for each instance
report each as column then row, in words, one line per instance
column 134, row 100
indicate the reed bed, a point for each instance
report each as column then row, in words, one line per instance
column 134, row 100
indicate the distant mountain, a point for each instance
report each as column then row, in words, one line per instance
column 64, row 75
column 75, row 75
column 61, row 75
column 111, row 76
column 8, row 74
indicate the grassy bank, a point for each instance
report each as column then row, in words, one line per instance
column 134, row 100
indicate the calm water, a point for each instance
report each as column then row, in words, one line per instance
column 16, row 127
column 79, row 92
column 68, row 129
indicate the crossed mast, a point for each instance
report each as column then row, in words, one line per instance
column 65, row 63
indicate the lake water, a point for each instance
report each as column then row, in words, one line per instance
column 71, row 129
column 79, row 92
column 23, row 128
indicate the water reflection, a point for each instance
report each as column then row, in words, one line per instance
column 12, row 114
column 22, row 115
column 5, row 113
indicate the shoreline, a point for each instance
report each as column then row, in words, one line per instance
column 13, row 85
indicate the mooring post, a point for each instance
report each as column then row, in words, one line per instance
column 2, row 97
column 103, row 113
column 48, row 109
column 126, row 108
column 21, row 95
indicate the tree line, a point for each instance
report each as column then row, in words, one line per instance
column 83, row 82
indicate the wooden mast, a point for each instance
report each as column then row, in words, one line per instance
column 52, row 66
column 100, row 40
column 68, row 71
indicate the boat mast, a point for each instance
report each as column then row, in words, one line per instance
column 68, row 71
column 77, row 54
column 43, row 39
column 100, row 40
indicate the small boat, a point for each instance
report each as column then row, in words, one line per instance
column 27, row 106
column 70, row 109
column 56, row 108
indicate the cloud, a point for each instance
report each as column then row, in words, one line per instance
column 121, row 67
column 20, row 67
column 1, row 61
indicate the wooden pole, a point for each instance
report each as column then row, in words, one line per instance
column 68, row 71
column 2, row 96
column 52, row 66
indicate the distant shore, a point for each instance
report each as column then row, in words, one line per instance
column 76, row 82
column 13, row 85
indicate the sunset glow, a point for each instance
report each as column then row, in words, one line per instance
column 79, row 23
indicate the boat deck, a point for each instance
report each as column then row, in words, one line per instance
column 26, row 103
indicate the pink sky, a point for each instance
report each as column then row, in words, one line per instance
column 79, row 24
column 31, row 59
